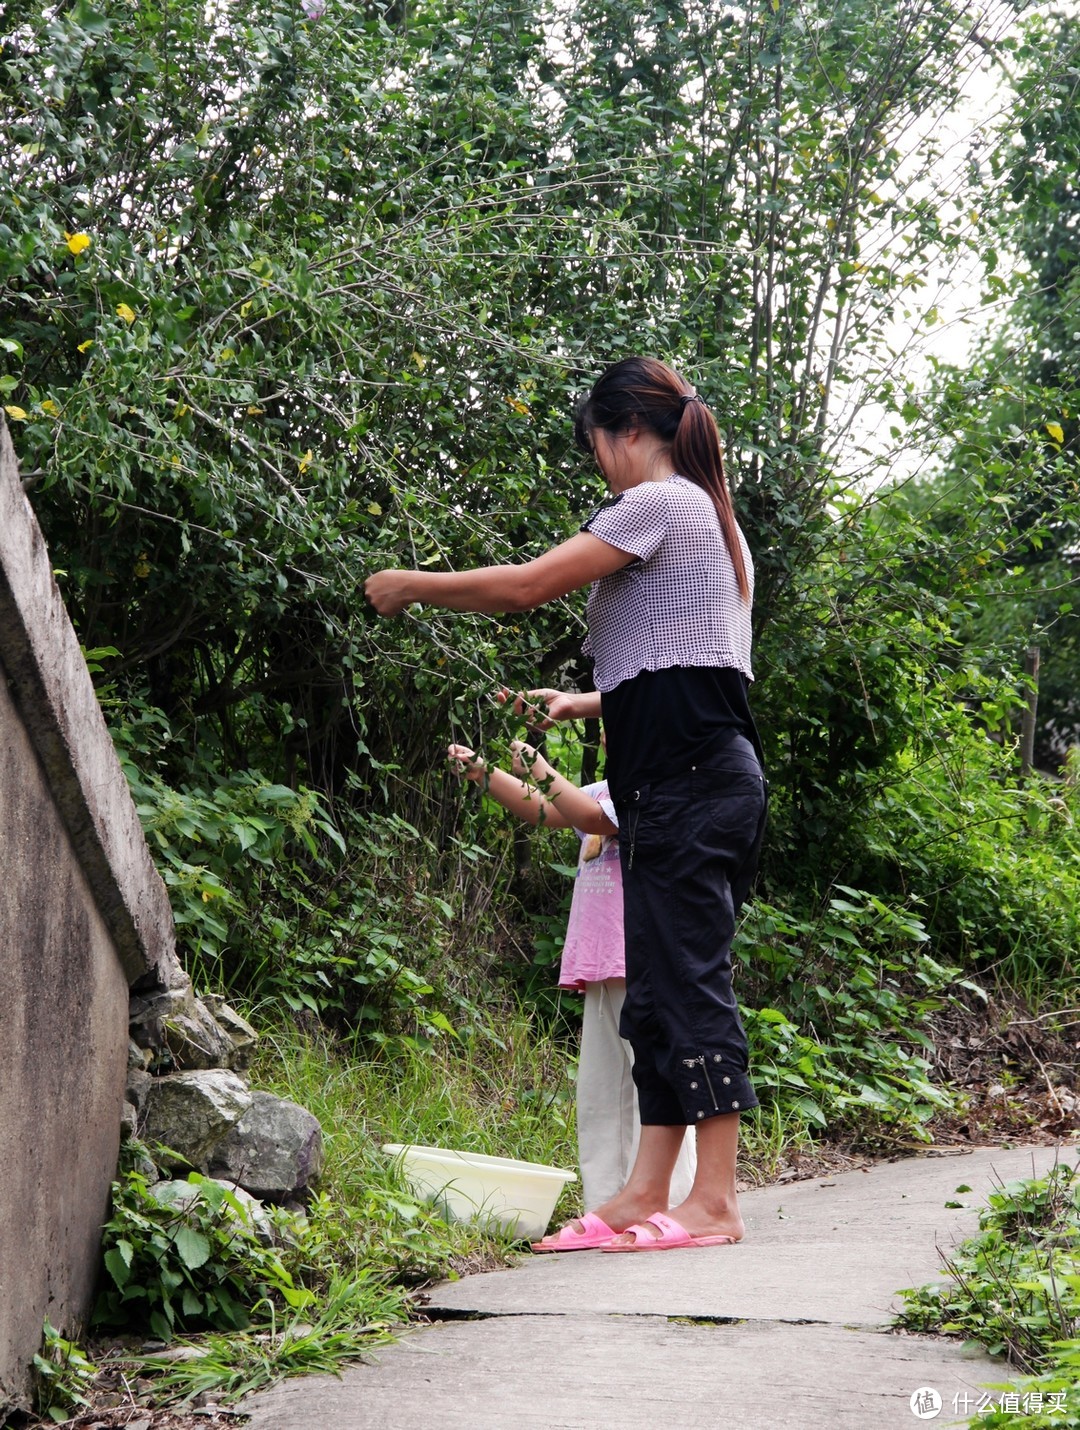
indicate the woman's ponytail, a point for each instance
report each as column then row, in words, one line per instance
column 646, row 390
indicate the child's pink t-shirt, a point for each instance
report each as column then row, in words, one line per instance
column 593, row 949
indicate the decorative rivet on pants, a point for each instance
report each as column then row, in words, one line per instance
column 693, row 1087
column 700, row 1116
column 727, row 1081
column 716, row 1057
column 734, row 1104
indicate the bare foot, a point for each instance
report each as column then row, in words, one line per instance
column 625, row 1209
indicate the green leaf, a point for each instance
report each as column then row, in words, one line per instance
column 118, row 1266
column 192, row 1247
column 91, row 21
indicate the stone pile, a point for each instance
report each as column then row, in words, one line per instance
column 189, row 1101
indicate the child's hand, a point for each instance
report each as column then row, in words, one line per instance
column 525, row 762
column 465, row 763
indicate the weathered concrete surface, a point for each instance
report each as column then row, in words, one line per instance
column 82, row 914
column 630, row 1373
column 63, row 1062
column 785, row 1330
column 831, row 1249
column 52, row 690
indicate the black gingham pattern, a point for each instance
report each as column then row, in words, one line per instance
column 679, row 604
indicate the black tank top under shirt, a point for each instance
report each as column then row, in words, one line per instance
column 661, row 722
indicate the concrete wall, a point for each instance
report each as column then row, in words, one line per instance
column 83, row 916
column 63, row 1060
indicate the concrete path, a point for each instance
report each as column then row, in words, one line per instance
column 788, row 1329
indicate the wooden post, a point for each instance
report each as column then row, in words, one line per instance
column 1027, row 726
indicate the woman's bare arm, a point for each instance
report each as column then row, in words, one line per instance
column 496, row 589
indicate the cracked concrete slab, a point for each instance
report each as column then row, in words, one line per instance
column 634, row 1373
column 830, row 1249
column 786, row 1330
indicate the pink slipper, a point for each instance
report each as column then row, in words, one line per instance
column 672, row 1234
column 596, row 1233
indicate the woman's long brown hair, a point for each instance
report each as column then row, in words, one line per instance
column 645, row 390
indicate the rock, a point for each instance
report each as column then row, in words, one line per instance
column 143, row 1163
column 167, row 1003
column 138, row 1089
column 275, row 1150
column 129, row 1121
column 189, row 1112
column 139, row 1059
column 239, row 1030
column 195, row 1040
column 146, row 1016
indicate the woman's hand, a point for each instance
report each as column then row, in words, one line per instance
column 465, row 763
column 540, row 709
column 389, row 591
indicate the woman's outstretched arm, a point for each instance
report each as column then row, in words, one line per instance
column 497, row 589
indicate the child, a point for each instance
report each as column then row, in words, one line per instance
column 592, row 962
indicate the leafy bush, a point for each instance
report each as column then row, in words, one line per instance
column 1015, row 1289
column 274, row 901
column 196, row 1257
column 187, row 1255
column 63, row 1374
column 846, row 1045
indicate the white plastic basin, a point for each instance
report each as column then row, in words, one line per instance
column 520, row 1196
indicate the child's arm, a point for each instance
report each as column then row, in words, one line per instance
column 518, row 794
column 513, row 793
column 576, row 808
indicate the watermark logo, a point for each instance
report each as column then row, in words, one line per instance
column 925, row 1403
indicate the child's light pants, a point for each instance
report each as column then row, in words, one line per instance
column 607, row 1112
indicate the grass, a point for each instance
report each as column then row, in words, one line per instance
column 512, row 1098
column 367, row 1243
column 1014, row 1289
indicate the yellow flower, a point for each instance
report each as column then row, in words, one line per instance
column 16, row 414
column 1056, row 432
column 306, row 460
column 85, row 347
column 126, row 313
column 76, row 242
column 50, row 407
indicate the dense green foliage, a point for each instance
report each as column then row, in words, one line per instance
column 191, row 1253
column 1009, row 415
column 1015, row 1289
column 290, row 294
column 287, row 296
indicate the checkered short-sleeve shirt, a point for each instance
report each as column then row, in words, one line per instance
column 679, row 602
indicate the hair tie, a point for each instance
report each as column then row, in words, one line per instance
column 689, row 397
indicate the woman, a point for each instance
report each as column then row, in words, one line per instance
column 669, row 632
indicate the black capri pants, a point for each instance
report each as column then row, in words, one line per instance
column 689, row 846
